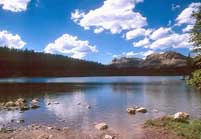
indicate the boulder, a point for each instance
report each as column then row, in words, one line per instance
column 131, row 110
column 88, row 107
column 181, row 116
column 21, row 100
column 35, row 101
column 10, row 104
column 50, row 128
column 35, row 127
column 18, row 103
column 141, row 109
column 20, row 121
column 101, row 126
column 79, row 103
column 108, row 137
column 2, row 104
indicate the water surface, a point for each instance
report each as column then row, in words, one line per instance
column 108, row 97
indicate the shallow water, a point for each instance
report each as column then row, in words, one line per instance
column 108, row 97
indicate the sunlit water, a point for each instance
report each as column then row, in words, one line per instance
column 108, row 97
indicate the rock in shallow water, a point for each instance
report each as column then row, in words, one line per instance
column 20, row 121
column 88, row 107
column 141, row 109
column 50, row 128
column 101, row 126
column 131, row 110
column 35, row 101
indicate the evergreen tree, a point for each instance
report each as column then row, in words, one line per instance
column 196, row 32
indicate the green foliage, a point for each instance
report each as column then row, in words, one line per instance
column 196, row 32
column 195, row 81
column 197, row 61
column 185, row 129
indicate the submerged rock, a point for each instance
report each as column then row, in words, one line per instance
column 66, row 128
column 131, row 110
column 181, row 116
column 56, row 102
column 155, row 110
column 101, row 126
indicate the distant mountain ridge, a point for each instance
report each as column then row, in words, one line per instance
column 155, row 60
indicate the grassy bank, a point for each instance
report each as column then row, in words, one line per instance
column 187, row 129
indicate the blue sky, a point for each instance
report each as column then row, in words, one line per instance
column 97, row 30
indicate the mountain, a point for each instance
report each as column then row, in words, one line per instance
column 155, row 60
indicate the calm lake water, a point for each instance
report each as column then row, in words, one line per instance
column 108, row 97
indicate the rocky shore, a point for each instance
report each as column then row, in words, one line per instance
column 50, row 132
column 152, row 129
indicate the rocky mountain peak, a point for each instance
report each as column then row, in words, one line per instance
column 155, row 60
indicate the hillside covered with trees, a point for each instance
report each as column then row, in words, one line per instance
column 25, row 63
column 29, row 63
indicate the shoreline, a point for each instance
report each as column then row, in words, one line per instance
column 160, row 128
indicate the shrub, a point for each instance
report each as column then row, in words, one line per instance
column 195, row 80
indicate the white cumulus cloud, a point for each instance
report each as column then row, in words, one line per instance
column 71, row 46
column 141, row 43
column 173, row 40
column 160, row 32
column 113, row 15
column 185, row 17
column 14, row 5
column 10, row 40
column 137, row 33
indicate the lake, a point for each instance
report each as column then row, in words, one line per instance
column 109, row 97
